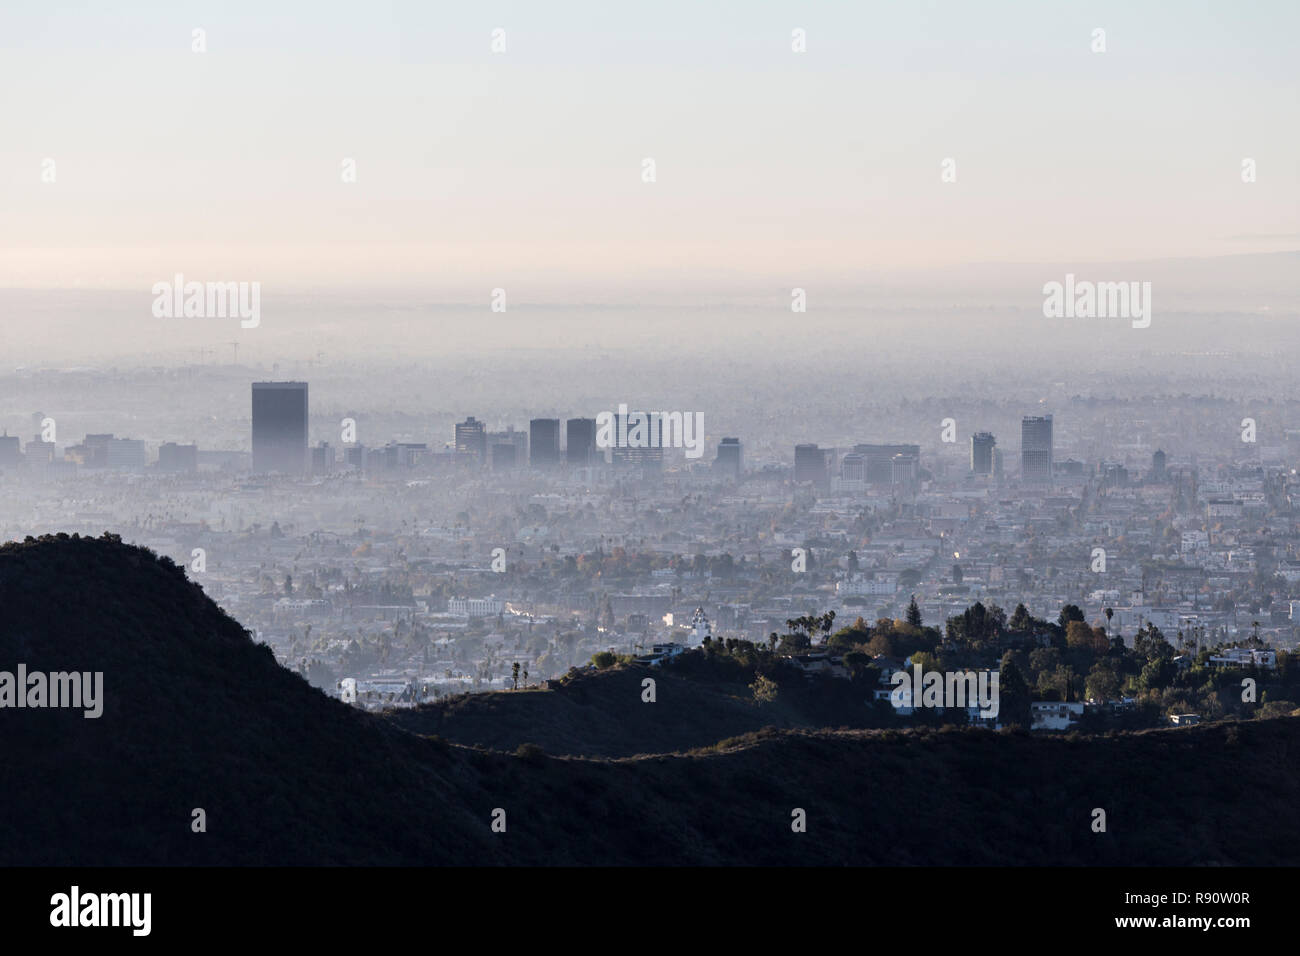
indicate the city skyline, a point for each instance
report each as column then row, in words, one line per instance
column 280, row 435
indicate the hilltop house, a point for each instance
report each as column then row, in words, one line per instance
column 1054, row 714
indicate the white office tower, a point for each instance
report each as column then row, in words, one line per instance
column 700, row 627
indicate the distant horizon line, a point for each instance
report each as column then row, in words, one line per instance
column 640, row 283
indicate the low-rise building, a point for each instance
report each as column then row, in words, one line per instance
column 476, row 607
column 1054, row 714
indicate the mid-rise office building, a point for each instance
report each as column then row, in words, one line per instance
column 811, row 465
column 1114, row 474
column 92, row 452
column 40, row 451
column 471, row 439
column 178, row 458
column 853, row 468
column 518, row 440
column 544, row 442
column 1158, row 473
column 637, row 443
column 10, row 451
column 981, row 453
column 581, row 436
column 397, row 455
column 730, row 458
column 322, row 459
column 126, row 454
column 1036, row 448
column 904, row 470
column 879, row 460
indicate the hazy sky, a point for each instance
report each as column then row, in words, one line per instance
column 477, row 169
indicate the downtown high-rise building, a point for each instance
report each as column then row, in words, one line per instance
column 322, row 459
column 280, row 427
column 10, row 453
column 580, row 434
column 904, row 470
column 878, row 460
column 637, row 443
column 981, row 453
column 853, row 468
column 730, row 458
column 1158, row 467
column 811, row 464
column 1114, row 474
column 505, row 461
column 471, row 439
column 1036, row 448
column 544, row 442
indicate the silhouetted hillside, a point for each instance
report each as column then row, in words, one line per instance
column 197, row 715
column 602, row 714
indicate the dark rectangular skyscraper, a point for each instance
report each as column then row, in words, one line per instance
column 581, row 435
column 10, row 454
column 1036, row 448
column 981, row 453
column 729, row 457
column 280, row 427
column 544, row 442
column 810, row 464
